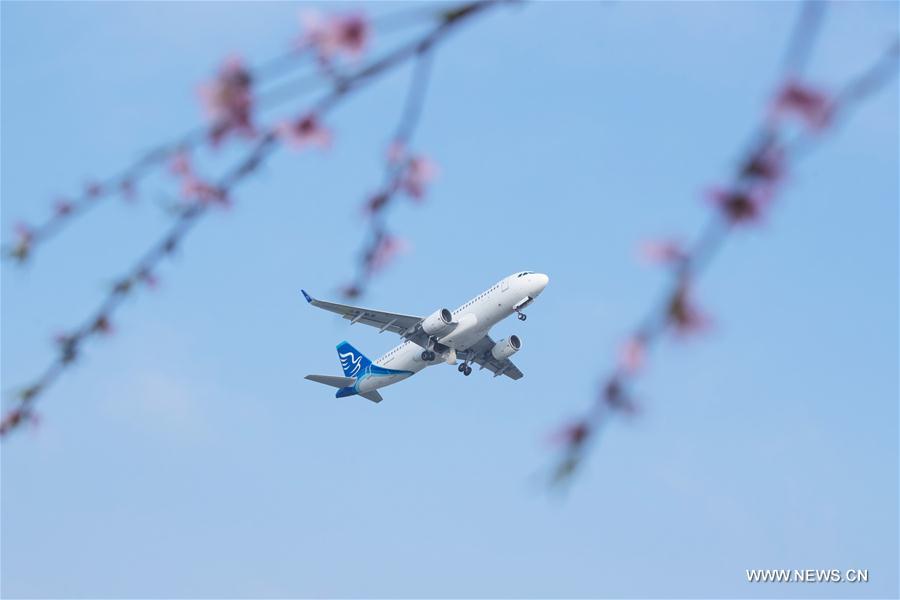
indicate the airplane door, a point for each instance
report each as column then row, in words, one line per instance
column 505, row 285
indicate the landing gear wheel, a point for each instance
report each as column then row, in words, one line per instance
column 461, row 368
column 467, row 371
column 522, row 316
column 427, row 355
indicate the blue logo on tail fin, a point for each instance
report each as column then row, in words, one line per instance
column 353, row 361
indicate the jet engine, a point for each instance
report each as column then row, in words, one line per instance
column 438, row 323
column 506, row 347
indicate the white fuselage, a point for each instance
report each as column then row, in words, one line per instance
column 473, row 321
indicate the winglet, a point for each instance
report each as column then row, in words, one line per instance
column 307, row 296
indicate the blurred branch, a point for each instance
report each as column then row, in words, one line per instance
column 205, row 196
column 758, row 178
column 67, row 209
column 803, row 37
column 404, row 172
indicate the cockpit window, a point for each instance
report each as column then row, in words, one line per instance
column 524, row 273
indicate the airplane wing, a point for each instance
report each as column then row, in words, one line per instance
column 481, row 354
column 406, row 326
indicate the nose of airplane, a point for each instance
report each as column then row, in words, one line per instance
column 540, row 281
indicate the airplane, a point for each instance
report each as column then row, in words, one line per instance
column 460, row 334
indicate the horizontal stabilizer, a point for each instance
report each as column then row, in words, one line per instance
column 374, row 396
column 338, row 382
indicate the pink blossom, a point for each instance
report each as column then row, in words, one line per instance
column 23, row 232
column 62, row 207
column 127, row 189
column 352, row 33
column 180, row 164
column 396, row 152
column 377, row 201
column 332, row 35
column 573, row 434
column 419, row 172
column 663, row 252
column 24, row 238
column 742, row 207
column 632, row 354
column 11, row 420
column 27, row 394
column 811, row 105
column 93, row 189
column 123, row 286
column 16, row 417
column 385, row 250
column 148, row 278
column 351, row 291
column 306, row 131
column 766, row 164
column 34, row 419
column 683, row 315
column 102, row 325
column 229, row 101
column 197, row 190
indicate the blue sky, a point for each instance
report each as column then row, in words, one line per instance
column 186, row 456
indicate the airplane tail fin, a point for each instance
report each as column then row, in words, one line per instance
column 353, row 361
column 354, row 364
